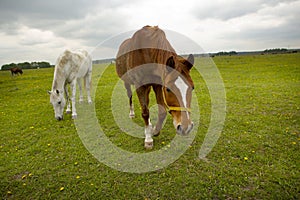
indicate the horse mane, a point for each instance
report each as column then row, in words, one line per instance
column 61, row 61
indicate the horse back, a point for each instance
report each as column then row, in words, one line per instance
column 149, row 48
column 122, row 58
column 73, row 64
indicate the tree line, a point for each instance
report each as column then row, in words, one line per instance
column 276, row 50
column 27, row 65
column 224, row 53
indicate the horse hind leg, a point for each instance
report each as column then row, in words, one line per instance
column 129, row 94
column 80, row 90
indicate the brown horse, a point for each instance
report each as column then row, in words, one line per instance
column 147, row 60
column 16, row 71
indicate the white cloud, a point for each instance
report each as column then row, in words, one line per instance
column 273, row 25
column 230, row 9
column 34, row 29
column 29, row 36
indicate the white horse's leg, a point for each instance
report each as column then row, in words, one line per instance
column 68, row 111
column 88, row 82
column 80, row 90
column 73, row 89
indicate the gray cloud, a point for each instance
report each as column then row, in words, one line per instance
column 226, row 10
column 66, row 18
column 285, row 27
column 93, row 28
column 54, row 10
column 285, row 36
column 35, row 29
column 41, row 13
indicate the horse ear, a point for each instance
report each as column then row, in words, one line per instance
column 190, row 61
column 170, row 64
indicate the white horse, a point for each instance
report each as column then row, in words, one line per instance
column 69, row 68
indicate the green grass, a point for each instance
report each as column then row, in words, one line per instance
column 256, row 157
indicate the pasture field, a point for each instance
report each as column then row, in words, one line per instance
column 256, row 157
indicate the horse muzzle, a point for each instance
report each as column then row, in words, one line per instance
column 184, row 130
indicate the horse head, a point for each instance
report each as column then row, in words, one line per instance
column 58, row 101
column 177, row 92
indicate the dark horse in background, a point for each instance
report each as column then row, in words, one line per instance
column 16, row 71
column 147, row 60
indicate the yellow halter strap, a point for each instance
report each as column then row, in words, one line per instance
column 173, row 108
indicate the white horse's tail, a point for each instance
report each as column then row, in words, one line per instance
column 88, row 76
column 90, row 84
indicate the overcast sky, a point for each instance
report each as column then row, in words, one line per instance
column 38, row 30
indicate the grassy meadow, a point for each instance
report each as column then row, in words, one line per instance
column 256, row 156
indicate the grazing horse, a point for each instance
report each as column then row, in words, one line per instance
column 16, row 71
column 147, row 60
column 69, row 68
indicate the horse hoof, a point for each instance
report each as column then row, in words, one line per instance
column 148, row 145
column 80, row 101
column 74, row 116
column 156, row 133
column 68, row 111
column 131, row 116
column 89, row 101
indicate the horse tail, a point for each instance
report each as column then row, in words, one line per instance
column 90, row 63
column 89, row 77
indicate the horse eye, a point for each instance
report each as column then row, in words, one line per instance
column 193, row 88
column 168, row 90
column 59, row 102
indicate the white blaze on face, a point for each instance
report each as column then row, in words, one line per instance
column 182, row 87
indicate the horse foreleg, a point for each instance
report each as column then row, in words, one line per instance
column 129, row 94
column 143, row 94
column 80, row 90
column 68, row 111
column 161, row 109
column 73, row 99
